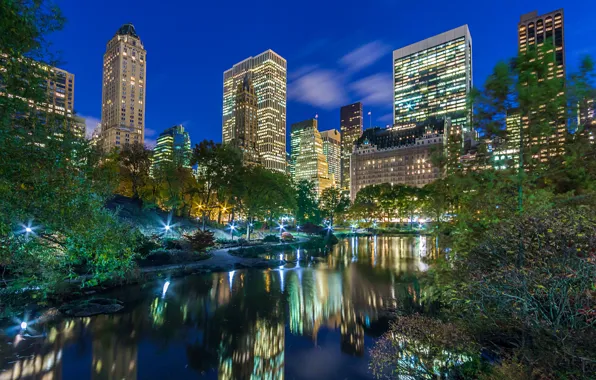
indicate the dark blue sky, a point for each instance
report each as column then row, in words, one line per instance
column 337, row 51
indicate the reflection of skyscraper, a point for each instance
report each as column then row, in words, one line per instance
column 352, row 332
column 114, row 353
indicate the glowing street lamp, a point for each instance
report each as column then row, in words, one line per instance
column 23, row 325
column 232, row 228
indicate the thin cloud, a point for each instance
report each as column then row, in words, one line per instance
column 364, row 56
column 150, row 143
column 375, row 90
column 91, row 123
column 319, row 88
column 150, row 132
column 387, row 118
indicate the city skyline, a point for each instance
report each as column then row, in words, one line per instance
column 335, row 60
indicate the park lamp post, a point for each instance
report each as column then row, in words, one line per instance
column 232, row 228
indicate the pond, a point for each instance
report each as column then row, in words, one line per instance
column 311, row 319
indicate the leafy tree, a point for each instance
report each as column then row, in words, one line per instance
column 217, row 166
column 307, row 206
column 333, row 203
column 134, row 161
column 52, row 187
column 265, row 194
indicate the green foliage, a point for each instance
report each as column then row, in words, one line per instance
column 200, row 240
column 134, row 161
column 271, row 239
column 424, row 348
column 307, row 206
column 333, row 203
column 50, row 178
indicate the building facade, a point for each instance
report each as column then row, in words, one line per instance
column 332, row 150
column 398, row 155
column 433, row 78
column 173, row 145
column 244, row 133
column 268, row 72
column 123, row 90
column 350, row 123
column 308, row 160
column 533, row 32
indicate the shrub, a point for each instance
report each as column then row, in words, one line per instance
column 172, row 244
column 286, row 236
column 146, row 244
column 271, row 239
column 200, row 240
column 419, row 347
column 310, row 228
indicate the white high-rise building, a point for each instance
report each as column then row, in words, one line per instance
column 433, row 78
column 268, row 72
column 123, row 90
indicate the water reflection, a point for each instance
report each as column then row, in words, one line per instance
column 236, row 325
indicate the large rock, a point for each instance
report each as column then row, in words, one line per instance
column 94, row 306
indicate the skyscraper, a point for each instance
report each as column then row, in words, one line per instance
column 244, row 132
column 123, row 92
column 533, row 31
column 308, row 161
column 350, row 122
column 269, row 78
column 332, row 150
column 433, row 77
column 173, row 145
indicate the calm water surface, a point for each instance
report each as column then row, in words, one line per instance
column 306, row 320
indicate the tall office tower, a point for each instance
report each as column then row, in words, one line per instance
column 123, row 92
column 173, row 145
column 269, row 77
column 244, row 132
column 533, row 32
column 309, row 162
column 332, row 150
column 350, row 123
column 433, row 77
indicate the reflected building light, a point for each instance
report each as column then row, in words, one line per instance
column 231, row 278
column 165, row 289
column 282, row 274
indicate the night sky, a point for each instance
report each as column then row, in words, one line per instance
column 338, row 52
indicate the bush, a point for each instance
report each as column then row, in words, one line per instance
column 271, row 239
column 172, row 244
column 542, row 295
column 419, row 347
column 146, row 244
column 310, row 228
column 251, row 252
column 200, row 240
column 286, row 236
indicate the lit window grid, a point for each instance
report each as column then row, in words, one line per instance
column 420, row 94
column 269, row 76
column 123, row 94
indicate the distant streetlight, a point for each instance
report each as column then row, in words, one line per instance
column 232, row 228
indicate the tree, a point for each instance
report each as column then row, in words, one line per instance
column 265, row 194
column 53, row 225
column 333, row 203
column 217, row 166
column 134, row 161
column 307, row 206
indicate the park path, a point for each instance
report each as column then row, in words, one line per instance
column 220, row 260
